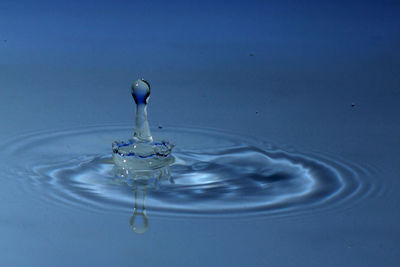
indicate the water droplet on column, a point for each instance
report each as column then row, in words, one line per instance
column 140, row 91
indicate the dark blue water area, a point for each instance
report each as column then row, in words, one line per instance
column 284, row 117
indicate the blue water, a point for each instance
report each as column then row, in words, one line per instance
column 314, row 82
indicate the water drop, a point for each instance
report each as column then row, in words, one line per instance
column 140, row 91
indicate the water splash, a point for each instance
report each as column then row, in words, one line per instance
column 215, row 174
column 141, row 152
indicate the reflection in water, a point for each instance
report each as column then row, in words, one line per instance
column 141, row 181
column 139, row 221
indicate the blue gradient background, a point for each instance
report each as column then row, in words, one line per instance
column 282, row 71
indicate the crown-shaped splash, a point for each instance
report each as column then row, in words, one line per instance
column 141, row 152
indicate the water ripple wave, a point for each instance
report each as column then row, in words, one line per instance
column 214, row 174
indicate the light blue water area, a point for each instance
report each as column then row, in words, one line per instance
column 284, row 116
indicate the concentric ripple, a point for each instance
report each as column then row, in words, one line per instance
column 214, row 173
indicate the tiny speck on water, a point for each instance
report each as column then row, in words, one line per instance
column 251, row 55
column 5, row 41
column 256, row 112
column 160, row 127
column 353, row 105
